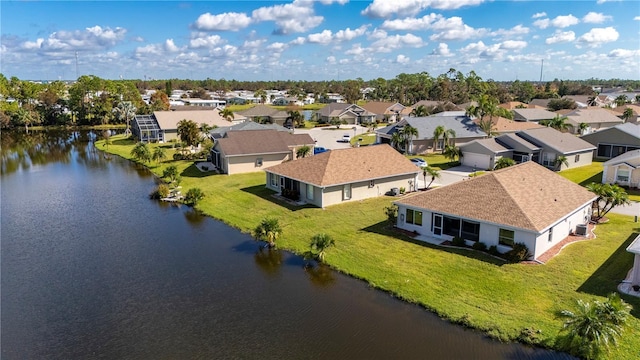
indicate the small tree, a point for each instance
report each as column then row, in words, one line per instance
column 319, row 244
column 392, row 214
column 303, row 151
column 609, row 196
column 559, row 161
column 107, row 138
column 193, row 196
column 268, row 230
column 434, row 173
column 141, row 152
column 189, row 132
column 158, row 154
column 170, row 173
column 226, row 114
column 452, row 152
column 504, row 162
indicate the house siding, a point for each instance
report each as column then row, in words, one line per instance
column 609, row 175
column 247, row 163
column 360, row 190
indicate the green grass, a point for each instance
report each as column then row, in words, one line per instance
column 437, row 160
column 457, row 284
column 584, row 175
column 367, row 139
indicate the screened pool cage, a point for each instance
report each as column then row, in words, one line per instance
column 147, row 130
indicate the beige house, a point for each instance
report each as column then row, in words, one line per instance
column 594, row 117
column 266, row 114
column 162, row 126
column 346, row 113
column 623, row 170
column 387, row 111
column 343, row 175
column 524, row 203
column 253, row 150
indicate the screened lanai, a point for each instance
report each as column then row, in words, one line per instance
column 146, row 129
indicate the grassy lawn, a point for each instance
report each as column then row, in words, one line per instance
column 437, row 160
column 367, row 139
column 585, row 175
column 461, row 285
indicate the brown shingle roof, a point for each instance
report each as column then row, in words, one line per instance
column 237, row 143
column 504, row 125
column 263, row 110
column 168, row 120
column 525, row 196
column 345, row 166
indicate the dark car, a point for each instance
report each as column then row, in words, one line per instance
column 319, row 150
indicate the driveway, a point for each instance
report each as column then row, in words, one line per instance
column 328, row 137
column 631, row 210
column 449, row 176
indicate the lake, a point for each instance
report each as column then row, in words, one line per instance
column 92, row 268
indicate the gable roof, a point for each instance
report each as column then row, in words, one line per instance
column 592, row 115
column 631, row 158
column 168, row 120
column 614, row 132
column 333, row 109
column 344, row 166
column 252, row 142
column 533, row 114
column 482, row 146
column 563, row 143
column 525, row 196
column 460, row 123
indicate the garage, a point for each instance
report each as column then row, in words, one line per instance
column 475, row 160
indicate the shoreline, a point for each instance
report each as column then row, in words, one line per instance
column 394, row 276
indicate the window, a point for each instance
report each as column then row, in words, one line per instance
column 372, row 183
column 258, row 162
column 506, row 237
column 440, row 144
column 274, row 180
column 309, row 191
column 414, row 217
column 550, row 235
column 548, row 159
column 451, row 226
column 346, row 192
column 577, row 159
column 470, row 230
column 622, row 175
column 604, row 151
column 618, row 150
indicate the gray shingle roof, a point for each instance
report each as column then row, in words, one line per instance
column 250, row 142
column 563, row 143
column 532, row 114
column 246, row 125
column 461, row 124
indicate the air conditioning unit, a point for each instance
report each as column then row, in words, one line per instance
column 581, row 229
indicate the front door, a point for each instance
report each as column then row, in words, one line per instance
column 437, row 224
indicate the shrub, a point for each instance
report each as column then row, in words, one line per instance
column 162, row 191
column 520, row 252
column 193, row 196
column 392, row 214
column 529, row 336
column 458, row 241
column 178, row 156
column 402, row 190
column 479, row 246
column 493, row 250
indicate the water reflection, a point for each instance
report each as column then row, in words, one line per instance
column 269, row 260
column 194, row 217
column 320, row 274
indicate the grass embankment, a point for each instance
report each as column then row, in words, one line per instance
column 461, row 285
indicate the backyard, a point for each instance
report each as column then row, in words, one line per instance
column 461, row 285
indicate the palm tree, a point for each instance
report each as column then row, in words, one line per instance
column 261, row 94
column 504, row 162
column 125, row 112
column 409, row 132
column 437, row 133
column 295, row 118
column 320, row 243
column 170, row 173
column 419, row 111
column 303, row 151
column 141, row 152
column 487, row 127
column 188, row 131
column 558, row 123
column 268, row 230
column 609, row 196
column 158, row 154
column 559, row 161
column 627, row 114
column 226, row 114
column 193, row 196
column 24, row 116
column 430, row 171
column 452, row 152
column 621, row 100
column 588, row 331
column 449, row 138
column 396, row 140
column 583, row 127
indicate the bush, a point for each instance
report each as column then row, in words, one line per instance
column 520, row 252
column 178, row 156
column 193, row 196
column 458, row 241
column 392, row 214
column 529, row 336
column 479, row 246
column 162, row 191
column 493, row 250
column 402, row 190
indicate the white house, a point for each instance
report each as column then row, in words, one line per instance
column 524, row 203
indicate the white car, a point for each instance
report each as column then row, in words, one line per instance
column 419, row 162
column 345, row 138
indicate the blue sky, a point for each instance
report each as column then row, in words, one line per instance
column 320, row 40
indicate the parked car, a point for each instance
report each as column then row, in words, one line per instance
column 345, row 138
column 419, row 162
column 319, row 150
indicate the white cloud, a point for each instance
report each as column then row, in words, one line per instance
column 298, row 41
column 170, row 46
column 624, row 53
column 598, row 36
column 356, row 49
column 199, row 40
column 348, row 34
column 331, row 60
column 386, row 8
column 595, row 18
column 92, row 38
column 289, row 18
column 253, row 44
column 539, row 15
column 329, row 2
column 513, row 44
column 564, row 21
column 514, row 31
column 401, row 59
column 222, row 22
column 277, row 47
column 599, row 2
column 411, row 23
column 454, row 29
column 560, row 37
column 32, row 45
column 637, row 18
column 323, row 38
column 390, row 43
column 442, row 50
column 542, row 23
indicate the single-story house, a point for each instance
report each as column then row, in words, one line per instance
column 265, row 114
column 634, row 274
column 623, row 170
column 535, row 115
column 253, row 150
column 387, row 111
column 349, row 113
column 220, row 132
column 596, row 119
column 635, row 115
column 524, row 203
column 541, row 145
column 162, row 126
column 465, row 128
column 343, row 175
column 614, row 141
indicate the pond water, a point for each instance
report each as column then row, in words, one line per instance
column 91, row 268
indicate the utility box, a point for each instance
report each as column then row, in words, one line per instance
column 581, row 229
